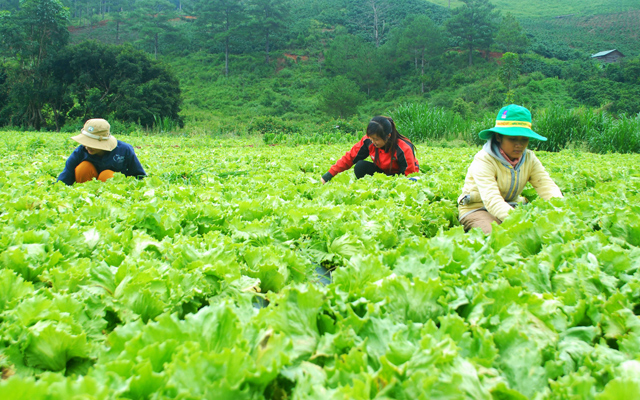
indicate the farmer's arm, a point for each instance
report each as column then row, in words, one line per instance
column 68, row 175
column 541, row 181
column 358, row 152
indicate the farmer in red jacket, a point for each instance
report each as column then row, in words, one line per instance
column 390, row 152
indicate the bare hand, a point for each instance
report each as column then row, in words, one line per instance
column 322, row 180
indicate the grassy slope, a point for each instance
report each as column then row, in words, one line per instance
column 553, row 8
column 592, row 33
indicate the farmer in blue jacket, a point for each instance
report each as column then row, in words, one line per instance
column 99, row 156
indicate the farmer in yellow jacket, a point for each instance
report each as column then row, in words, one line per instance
column 496, row 177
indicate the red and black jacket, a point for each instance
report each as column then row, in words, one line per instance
column 404, row 158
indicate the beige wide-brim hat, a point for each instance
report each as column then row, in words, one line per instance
column 97, row 135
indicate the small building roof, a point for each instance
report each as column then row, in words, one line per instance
column 604, row 53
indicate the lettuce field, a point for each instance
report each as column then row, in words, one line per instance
column 232, row 273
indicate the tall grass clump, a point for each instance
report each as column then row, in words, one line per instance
column 598, row 131
column 562, row 127
column 422, row 123
column 487, row 121
column 164, row 124
column 621, row 135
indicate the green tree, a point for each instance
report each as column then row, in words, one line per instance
column 152, row 21
column 509, row 71
column 510, row 37
column 219, row 21
column 461, row 107
column 118, row 16
column 357, row 60
column 29, row 36
column 117, row 82
column 368, row 72
column 34, row 31
column 375, row 12
column 473, row 24
column 341, row 54
column 374, row 20
column 269, row 18
column 424, row 41
column 341, row 97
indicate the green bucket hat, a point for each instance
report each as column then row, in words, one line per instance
column 512, row 120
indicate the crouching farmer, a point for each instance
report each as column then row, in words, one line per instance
column 99, row 156
column 496, row 177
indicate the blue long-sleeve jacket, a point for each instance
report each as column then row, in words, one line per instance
column 121, row 159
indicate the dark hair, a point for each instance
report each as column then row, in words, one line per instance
column 384, row 128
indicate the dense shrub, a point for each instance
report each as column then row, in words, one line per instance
column 532, row 63
column 616, row 96
column 341, row 97
column 271, row 124
column 117, row 82
column 347, row 127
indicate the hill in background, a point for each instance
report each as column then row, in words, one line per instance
column 324, row 52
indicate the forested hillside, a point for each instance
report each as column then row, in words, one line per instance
column 228, row 65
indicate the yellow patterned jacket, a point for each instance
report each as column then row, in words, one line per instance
column 492, row 184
